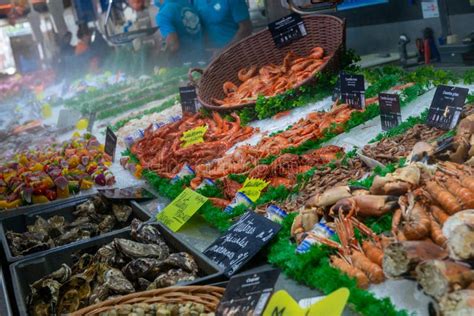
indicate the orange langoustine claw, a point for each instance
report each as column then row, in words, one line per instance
column 271, row 79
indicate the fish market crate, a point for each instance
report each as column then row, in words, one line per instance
column 25, row 272
column 5, row 309
column 4, row 213
column 259, row 49
column 19, row 223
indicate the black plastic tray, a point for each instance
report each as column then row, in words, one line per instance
column 25, row 272
column 5, row 309
column 18, row 224
column 41, row 206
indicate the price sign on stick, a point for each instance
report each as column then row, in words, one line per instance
column 253, row 188
column 390, row 112
column 194, row 136
column 189, row 101
column 353, row 90
column 446, row 107
column 241, row 242
column 248, row 294
column 178, row 212
column 110, row 143
column 287, row 30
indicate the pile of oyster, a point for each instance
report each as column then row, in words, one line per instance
column 118, row 268
column 94, row 217
column 159, row 309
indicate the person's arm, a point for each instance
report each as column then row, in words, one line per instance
column 172, row 42
column 240, row 14
column 164, row 20
column 245, row 29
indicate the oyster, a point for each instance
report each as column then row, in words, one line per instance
column 82, row 263
column 132, row 249
column 99, row 294
column 44, row 297
column 170, row 278
column 56, row 226
column 108, row 254
column 121, row 212
column 181, row 260
column 146, row 233
column 74, row 234
column 148, row 268
column 117, row 282
column 107, row 224
column 142, row 284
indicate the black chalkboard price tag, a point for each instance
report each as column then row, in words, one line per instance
column 390, row 112
column 110, row 143
column 241, row 242
column 353, row 90
column 336, row 95
column 248, row 294
column 287, row 30
column 189, row 101
column 446, row 107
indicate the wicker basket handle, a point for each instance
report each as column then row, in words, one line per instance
column 191, row 78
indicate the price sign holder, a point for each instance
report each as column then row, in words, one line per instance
column 248, row 293
column 446, row 107
column 241, row 242
column 353, row 90
column 110, row 143
column 189, row 101
column 178, row 212
column 287, row 30
column 390, row 112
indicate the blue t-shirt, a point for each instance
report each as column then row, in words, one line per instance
column 221, row 19
column 178, row 16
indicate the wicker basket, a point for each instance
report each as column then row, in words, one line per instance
column 259, row 49
column 209, row 296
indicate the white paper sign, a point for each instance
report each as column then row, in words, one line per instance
column 430, row 9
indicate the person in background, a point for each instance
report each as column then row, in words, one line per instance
column 225, row 21
column 84, row 35
column 180, row 26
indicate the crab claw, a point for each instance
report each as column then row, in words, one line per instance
column 366, row 205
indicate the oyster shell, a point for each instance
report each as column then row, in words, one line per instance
column 170, row 278
column 122, row 212
column 148, row 268
column 117, row 282
column 108, row 254
column 142, row 284
column 73, row 293
column 107, row 224
column 134, row 250
column 181, row 260
column 146, row 233
column 99, row 294
column 44, row 297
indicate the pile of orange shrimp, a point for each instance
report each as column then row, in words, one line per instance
column 245, row 157
column 162, row 150
column 271, row 80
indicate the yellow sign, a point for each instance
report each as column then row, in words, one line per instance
column 253, row 188
column 178, row 212
column 194, row 136
column 46, row 111
column 282, row 304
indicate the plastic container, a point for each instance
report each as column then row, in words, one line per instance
column 25, row 272
column 37, row 207
column 5, row 309
column 19, row 224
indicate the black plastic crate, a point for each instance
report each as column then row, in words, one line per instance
column 41, row 206
column 18, row 224
column 5, row 309
column 25, row 272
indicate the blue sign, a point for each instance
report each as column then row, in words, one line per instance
column 351, row 4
